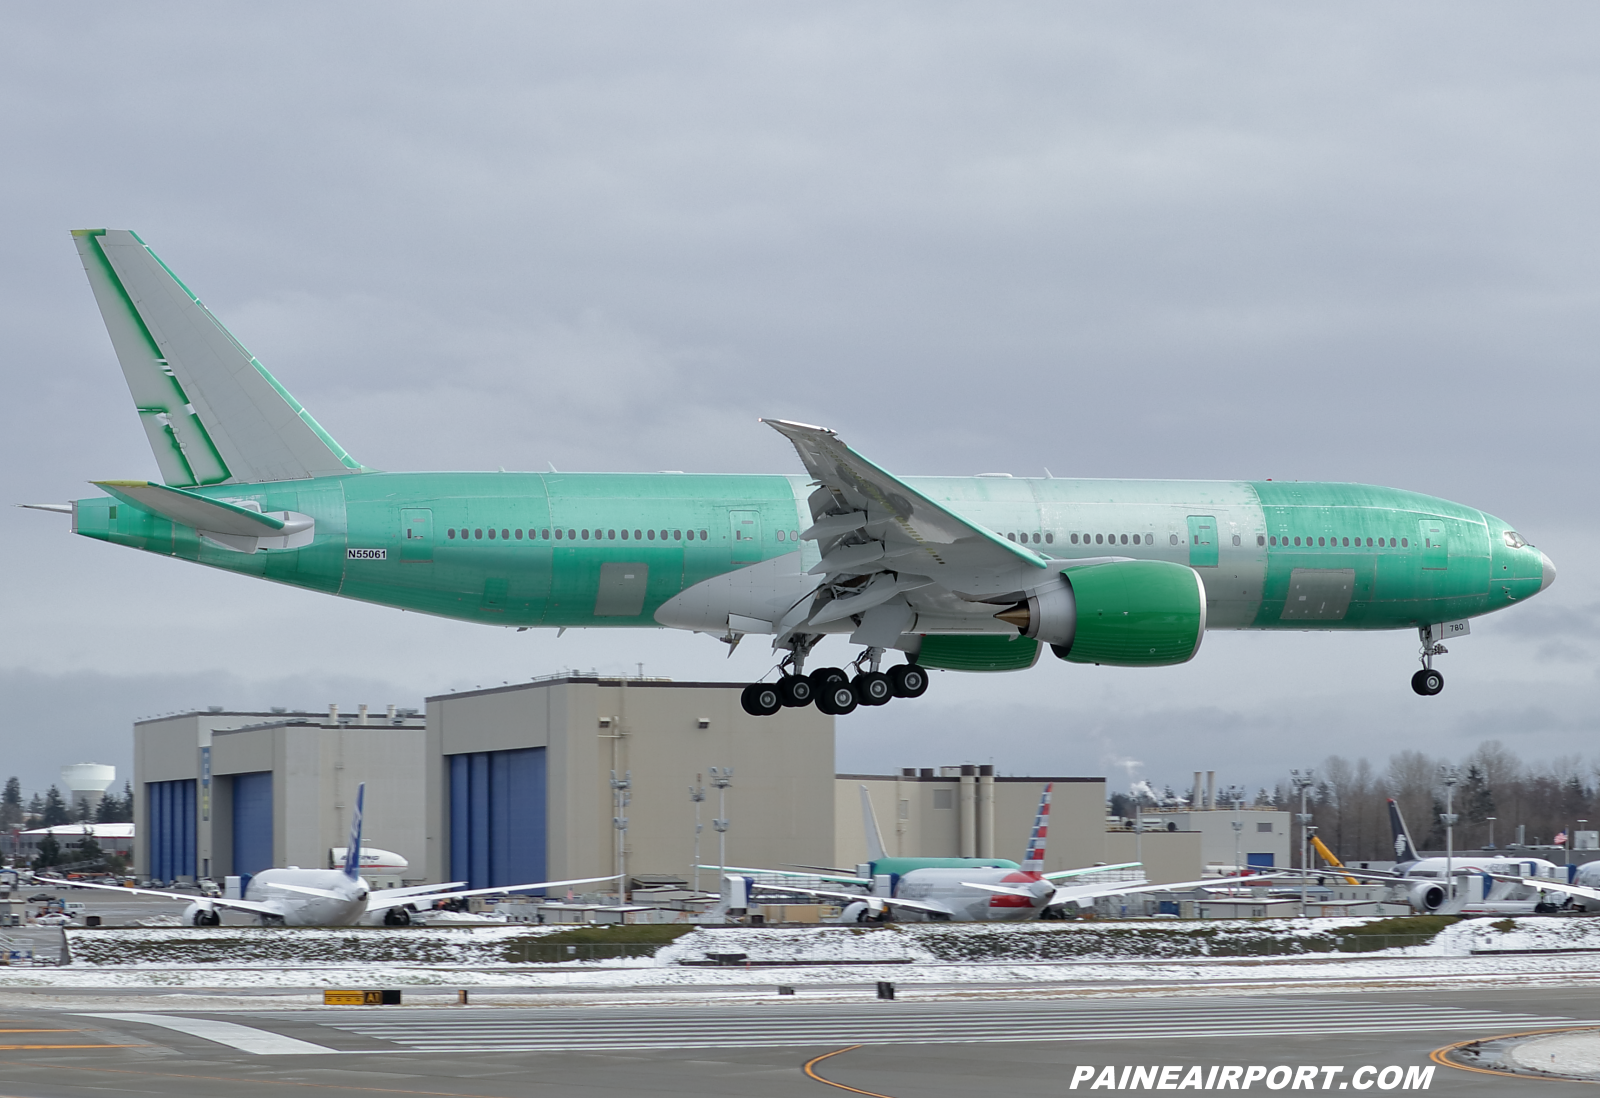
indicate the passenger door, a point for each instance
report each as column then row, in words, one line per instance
column 1435, row 546
column 1202, row 541
column 745, row 535
column 416, row 535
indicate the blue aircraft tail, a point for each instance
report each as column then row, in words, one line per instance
column 1404, row 849
column 352, row 854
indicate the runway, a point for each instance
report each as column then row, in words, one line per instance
column 903, row 1048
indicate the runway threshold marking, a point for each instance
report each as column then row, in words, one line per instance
column 811, row 1072
column 1441, row 1056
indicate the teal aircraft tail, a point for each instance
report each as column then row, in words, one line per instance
column 212, row 413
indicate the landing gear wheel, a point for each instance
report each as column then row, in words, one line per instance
column 397, row 916
column 207, row 918
column 908, row 680
column 795, row 691
column 760, row 699
column 838, row 699
column 1427, row 682
column 823, row 677
column 873, row 688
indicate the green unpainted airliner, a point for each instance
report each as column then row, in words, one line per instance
column 959, row 573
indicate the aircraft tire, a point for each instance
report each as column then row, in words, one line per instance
column 795, row 691
column 207, row 918
column 823, row 676
column 1427, row 682
column 838, row 700
column 908, row 680
column 873, row 688
column 397, row 916
column 760, row 699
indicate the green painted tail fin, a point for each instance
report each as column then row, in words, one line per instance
column 213, row 414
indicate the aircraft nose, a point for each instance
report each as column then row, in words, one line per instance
column 1547, row 574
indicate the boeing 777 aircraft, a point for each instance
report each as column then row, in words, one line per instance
column 959, row 573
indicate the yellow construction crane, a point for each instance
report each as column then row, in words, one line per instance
column 1328, row 856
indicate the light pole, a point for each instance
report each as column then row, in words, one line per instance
column 1491, row 820
column 621, row 797
column 1449, row 775
column 722, row 779
column 1303, row 783
column 1238, row 831
column 697, row 794
column 1572, row 840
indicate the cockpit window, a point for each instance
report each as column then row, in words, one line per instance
column 1515, row 540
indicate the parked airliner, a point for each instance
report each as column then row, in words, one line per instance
column 323, row 897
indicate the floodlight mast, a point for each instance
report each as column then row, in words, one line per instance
column 722, row 778
column 1449, row 775
column 1303, row 783
column 621, row 797
column 697, row 794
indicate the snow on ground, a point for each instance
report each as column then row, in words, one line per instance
column 1566, row 1054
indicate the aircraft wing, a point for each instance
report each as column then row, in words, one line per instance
column 1546, row 885
column 862, row 881
column 379, row 901
column 1083, row 894
column 888, row 901
column 238, row 905
column 1089, row 869
column 881, row 540
column 412, row 890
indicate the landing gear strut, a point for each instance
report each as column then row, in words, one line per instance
column 831, row 688
column 1428, row 682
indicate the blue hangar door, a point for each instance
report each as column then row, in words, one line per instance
column 497, row 817
column 252, row 823
column 170, row 809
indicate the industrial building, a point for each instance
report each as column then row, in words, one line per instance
column 519, row 781
column 112, row 838
column 234, row 793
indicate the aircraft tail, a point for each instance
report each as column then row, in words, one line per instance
column 212, row 413
column 1404, row 849
column 1033, row 860
column 352, row 853
column 869, row 821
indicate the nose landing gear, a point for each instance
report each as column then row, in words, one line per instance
column 1428, row 682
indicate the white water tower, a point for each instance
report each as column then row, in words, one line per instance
column 86, row 783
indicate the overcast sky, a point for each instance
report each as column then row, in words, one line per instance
column 1313, row 241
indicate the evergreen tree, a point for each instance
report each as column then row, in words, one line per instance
column 55, row 809
column 49, row 853
column 11, row 805
column 35, row 813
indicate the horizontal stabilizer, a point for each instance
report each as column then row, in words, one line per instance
column 231, row 525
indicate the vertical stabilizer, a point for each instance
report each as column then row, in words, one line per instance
column 352, row 853
column 869, row 822
column 212, row 413
column 1404, row 849
column 1033, row 860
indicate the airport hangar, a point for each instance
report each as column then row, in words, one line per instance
column 514, row 784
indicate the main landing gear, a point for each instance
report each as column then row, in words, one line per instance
column 1428, row 682
column 834, row 691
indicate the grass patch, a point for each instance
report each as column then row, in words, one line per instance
column 1407, row 924
column 629, row 934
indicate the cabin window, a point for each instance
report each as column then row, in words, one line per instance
column 1404, row 543
column 1236, row 539
column 677, row 535
column 450, row 533
column 794, row 535
column 1036, row 539
column 558, row 535
column 652, row 534
column 1012, row 537
column 1050, row 539
column 519, row 535
column 783, row 535
column 1297, row 541
column 1261, row 539
column 624, row 535
column 506, row 534
column 545, row 534
column 1273, row 539
column 702, row 535
column 1074, row 539
column 478, row 533
column 586, row 535
column 1174, row 538
column 491, row 533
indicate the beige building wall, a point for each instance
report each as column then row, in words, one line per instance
column 668, row 735
column 1167, row 855
column 920, row 813
column 1263, row 832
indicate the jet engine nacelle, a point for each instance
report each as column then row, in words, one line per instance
column 1426, row 896
column 1134, row 613
column 201, row 915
